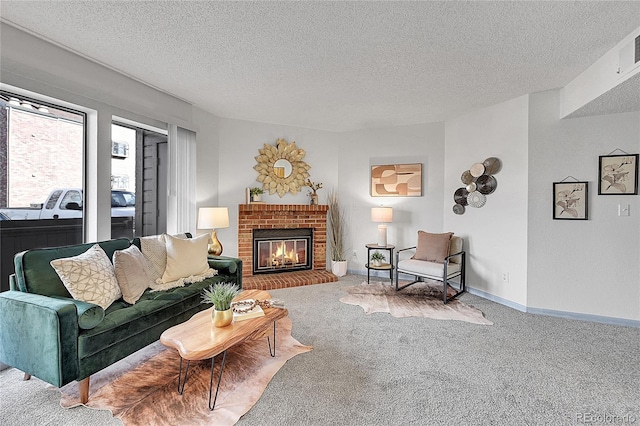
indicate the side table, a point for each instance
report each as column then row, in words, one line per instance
column 383, row 267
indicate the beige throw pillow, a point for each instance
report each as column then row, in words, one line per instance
column 131, row 272
column 155, row 253
column 89, row 277
column 432, row 247
column 186, row 261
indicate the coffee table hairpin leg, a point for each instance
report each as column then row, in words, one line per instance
column 213, row 359
column 272, row 353
column 186, row 374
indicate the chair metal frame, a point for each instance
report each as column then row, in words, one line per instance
column 445, row 279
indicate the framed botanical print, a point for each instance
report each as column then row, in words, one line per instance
column 396, row 180
column 618, row 174
column 570, row 200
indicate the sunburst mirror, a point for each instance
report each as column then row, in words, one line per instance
column 281, row 169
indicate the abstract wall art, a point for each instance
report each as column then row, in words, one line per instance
column 396, row 180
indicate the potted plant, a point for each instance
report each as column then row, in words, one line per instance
column 377, row 258
column 336, row 235
column 221, row 295
column 313, row 194
column 256, row 192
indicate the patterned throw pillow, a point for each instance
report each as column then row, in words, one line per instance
column 89, row 277
column 131, row 273
column 155, row 253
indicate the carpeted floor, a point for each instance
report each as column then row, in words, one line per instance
column 374, row 369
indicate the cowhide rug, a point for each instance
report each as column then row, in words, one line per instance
column 418, row 300
column 146, row 393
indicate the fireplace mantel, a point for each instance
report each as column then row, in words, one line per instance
column 275, row 216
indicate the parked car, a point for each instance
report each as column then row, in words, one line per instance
column 67, row 203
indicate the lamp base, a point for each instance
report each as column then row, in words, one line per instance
column 215, row 247
column 382, row 235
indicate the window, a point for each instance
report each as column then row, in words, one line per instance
column 41, row 157
column 119, row 149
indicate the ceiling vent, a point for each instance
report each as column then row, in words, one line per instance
column 629, row 57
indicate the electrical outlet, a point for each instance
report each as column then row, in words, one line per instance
column 505, row 278
column 623, row 209
column 355, row 254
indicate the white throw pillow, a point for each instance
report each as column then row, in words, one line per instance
column 131, row 273
column 186, row 261
column 89, row 277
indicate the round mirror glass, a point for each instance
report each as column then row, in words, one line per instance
column 282, row 168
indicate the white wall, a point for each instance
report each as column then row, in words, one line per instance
column 391, row 145
column 239, row 144
column 496, row 234
column 589, row 266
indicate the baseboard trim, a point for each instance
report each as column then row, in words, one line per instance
column 585, row 317
column 553, row 313
column 497, row 299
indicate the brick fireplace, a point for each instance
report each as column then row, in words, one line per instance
column 283, row 216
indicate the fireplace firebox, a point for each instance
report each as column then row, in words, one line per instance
column 282, row 250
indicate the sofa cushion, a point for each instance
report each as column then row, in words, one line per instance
column 89, row 277
column 131, row 272
column 186, row 261
column 432, row 247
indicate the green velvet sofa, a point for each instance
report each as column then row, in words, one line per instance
column 46, row 333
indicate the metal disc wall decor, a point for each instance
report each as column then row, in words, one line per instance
column 479, row 182
column 477, row 169
column 476, row 199
column 466, row 177
column 486, row 184
column 460, row 196
column 491, row 166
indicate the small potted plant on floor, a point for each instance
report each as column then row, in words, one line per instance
column 255, row 193
column 377, row 258
column 221, row 295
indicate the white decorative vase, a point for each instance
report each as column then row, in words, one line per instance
column 339, row 267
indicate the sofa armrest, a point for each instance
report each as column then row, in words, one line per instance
column 89, row 314
column 39, row 336
column 230, row 266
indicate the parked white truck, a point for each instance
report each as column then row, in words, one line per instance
column 67, row 203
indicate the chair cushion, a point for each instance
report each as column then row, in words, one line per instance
column 89, row 277
column 422, row 268
column 432, row 247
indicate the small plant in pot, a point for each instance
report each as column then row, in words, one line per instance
column 255, row 193
column 377, row 258
column 221, row 295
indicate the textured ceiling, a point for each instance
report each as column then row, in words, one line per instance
column 336, row 65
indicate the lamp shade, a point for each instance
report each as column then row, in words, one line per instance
column 213, row 217
column 382, row 214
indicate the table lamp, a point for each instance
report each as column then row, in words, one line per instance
column 382, row 215
column 213, row 218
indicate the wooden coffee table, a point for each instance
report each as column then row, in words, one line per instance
column 198, row 339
